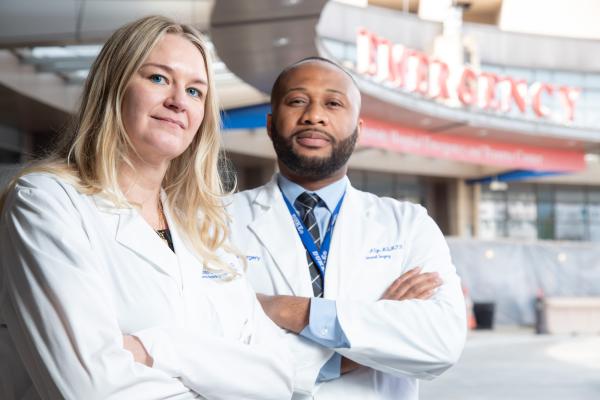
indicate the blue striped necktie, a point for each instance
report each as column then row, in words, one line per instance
column 305, row 204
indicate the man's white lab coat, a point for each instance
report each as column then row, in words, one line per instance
column 375, row 240
column 78, row 273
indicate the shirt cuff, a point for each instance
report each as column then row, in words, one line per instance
column 332, row 369
column 323, row 327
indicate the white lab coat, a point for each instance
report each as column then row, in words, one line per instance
column 78, row 273
column 375, row 240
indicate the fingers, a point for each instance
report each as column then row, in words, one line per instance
column 425, row 295
column 262, row 297
column 347, row 365
column 413, row 285
column 392, row 290
column 421, row 286
column 135, row 346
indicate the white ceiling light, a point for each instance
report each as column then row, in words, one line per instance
column 281, row 41
column 290, row 3
column 498, row 186
column 65, row 51
column 592, row 158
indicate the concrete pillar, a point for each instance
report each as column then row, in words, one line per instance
column 476, row 200
column 460, row 209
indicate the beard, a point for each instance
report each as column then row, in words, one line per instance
column 313, row 168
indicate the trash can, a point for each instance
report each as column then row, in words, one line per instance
column 541, row 326
column 484, row 315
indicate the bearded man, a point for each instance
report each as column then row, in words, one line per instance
column 368, row 279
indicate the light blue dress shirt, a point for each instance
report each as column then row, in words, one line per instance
column 324, row 327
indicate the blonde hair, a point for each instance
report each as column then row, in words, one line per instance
column 89, row 155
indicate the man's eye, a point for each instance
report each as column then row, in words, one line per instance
column 156, row 78
column 296, row 101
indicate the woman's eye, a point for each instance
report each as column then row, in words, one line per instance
column 156, row 78
column 194, row 92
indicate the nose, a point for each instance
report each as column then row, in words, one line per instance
column 176, row 100
column 314, row 115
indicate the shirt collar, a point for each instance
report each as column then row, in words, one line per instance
column 330, row 194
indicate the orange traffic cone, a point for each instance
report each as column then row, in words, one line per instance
column 471, row 322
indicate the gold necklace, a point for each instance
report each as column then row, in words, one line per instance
column 162, row 220
column 161, row 216
column 164, row 233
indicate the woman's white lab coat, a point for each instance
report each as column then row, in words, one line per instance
column 78, row 273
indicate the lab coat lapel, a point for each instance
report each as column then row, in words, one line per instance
column 355, row 232
column 187, row 258
column 274, row 228
column 135, row 234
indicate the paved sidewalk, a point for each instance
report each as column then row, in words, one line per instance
column 515, row 364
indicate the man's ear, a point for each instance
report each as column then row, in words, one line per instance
column 359, row 128
column 269, row 122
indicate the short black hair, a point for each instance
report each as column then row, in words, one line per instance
column 276, row 88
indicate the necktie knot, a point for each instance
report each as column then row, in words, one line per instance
column 307, row 201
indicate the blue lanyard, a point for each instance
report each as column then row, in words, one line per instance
column 319, row 257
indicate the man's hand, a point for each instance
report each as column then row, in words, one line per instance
column 410, row 285
column 288, row 312
column 135, row 347
column 292, row 312
column 413, row 285
column 348, row 365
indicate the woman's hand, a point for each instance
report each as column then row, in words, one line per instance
column 136, row 347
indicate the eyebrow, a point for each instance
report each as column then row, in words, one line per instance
column 301, row 89
column 170, row 70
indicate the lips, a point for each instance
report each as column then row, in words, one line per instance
column 170, row 120
column 313, row 138
column 313, row 134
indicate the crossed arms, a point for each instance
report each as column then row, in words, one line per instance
column 292, row 312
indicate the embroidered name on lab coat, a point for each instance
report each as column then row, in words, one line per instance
column 384, row 252
column 213, row 275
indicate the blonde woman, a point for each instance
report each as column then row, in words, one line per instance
column 116, row 279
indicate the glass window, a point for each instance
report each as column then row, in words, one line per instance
column 401, row 187
column 593, row 214
column 521, row 204
column 541, row 76
column 409, row 188
column 570, row 214
column 336, row 48
column 492, row 208
column 541, row 211
column 545, row 220
column 567, row 78
column 521, row 73
column 586, row 107
column 381, row 184
column 521, row 212
column 492, row 214
column 570, row 195
column 492, row 229
column 357, row 179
